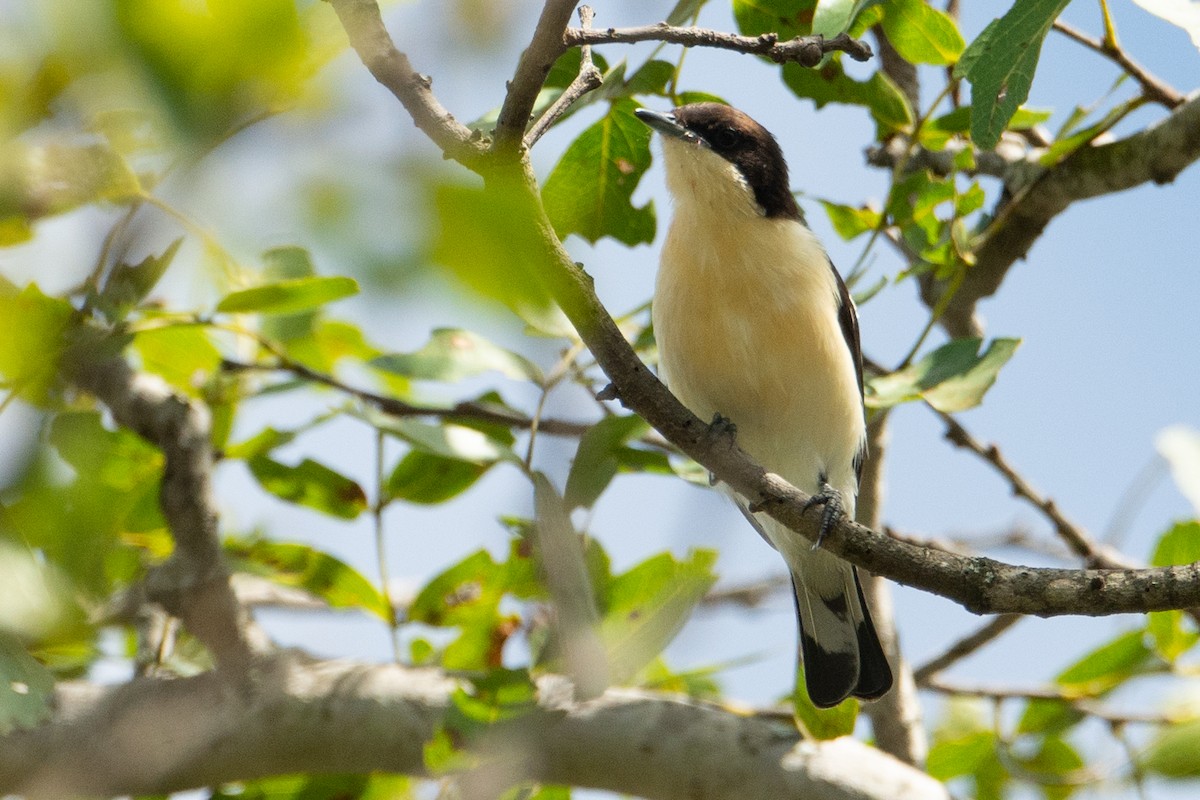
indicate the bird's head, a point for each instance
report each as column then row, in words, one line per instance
column 715, row 154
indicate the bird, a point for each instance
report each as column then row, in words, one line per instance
column 756, row 327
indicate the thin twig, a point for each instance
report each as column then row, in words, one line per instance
column 385, row 578
column 1081, row 543
column 479, row 412
column 804, row 50
column 589, row 78
column 1153, row 87
column 965, row 647
column 1082, row 704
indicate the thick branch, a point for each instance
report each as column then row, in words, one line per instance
column 369, row 38
column 1156, row 154
column 805, row 50
column 194, row 583
column 534, row 65
column 156, row 736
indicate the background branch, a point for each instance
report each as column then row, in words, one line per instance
column 193, row 584
column 1153, row 87
column 155, row 736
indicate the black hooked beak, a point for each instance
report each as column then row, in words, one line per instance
column 666, row 125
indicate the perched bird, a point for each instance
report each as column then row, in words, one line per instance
column 754, row 323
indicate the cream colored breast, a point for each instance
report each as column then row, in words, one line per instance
column 745, row 313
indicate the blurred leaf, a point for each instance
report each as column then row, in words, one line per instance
column 254, row 55
column 590, row 191
column 448, row 440
column 56, row 176
column 974, row 756
column 920, row 33
column 33, row 341
column 1172, row 752
column 1108, row 666
column 697, row 683
column 1048, row 717
column 1067, row 145
column 1180, row 446
column 303, row 567
column 644, row 608
column 650, row 78
column 26, row 687
column 310, row 484
column 954, row 377
column 1179, row 545
column 35, row 598
column 428, row 479
column 1053, row 766
column 129, row 284
column 467, row 596
column 1170, row 637
column 485, row 238
column 318, row 787
column 452, row 354
column 596, row 461
column 283, row 264
column 830, row 84
column 822, row 723
column 684, row 11
column 183, row 355
column 289, row 296
column 1000, row 64
column 263, row 442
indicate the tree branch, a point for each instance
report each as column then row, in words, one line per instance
column 154, row 736
column 369, row 38
column 804, row 50
column 1153, row 87
column 534, row 65
column 965, row 647
column 589, row 78
column 193, row 584
column 895, row 717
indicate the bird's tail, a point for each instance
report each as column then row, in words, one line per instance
column 841, row 651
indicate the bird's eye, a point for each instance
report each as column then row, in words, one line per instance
column 726, row 138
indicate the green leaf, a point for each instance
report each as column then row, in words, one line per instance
column 597, row 461
column 1172, row 752
column 486, row 240
column 1000, row 64
column 428, row 479
column 129, row 284
column 310, row 484
column 1168, row 633
column 954, row 377
column 788, row 18
column 467, row 596
column 303, row 567
column 920, row 33
column 1108, row 666
column 1052, row 767
column 822, row 723
column 1048, row 717
column 834, row 16
column 590, row 190
column 849, row 221
column 830, row 84
column 26, row 687
column 448, row 440
column 34, row 337
column 183, row 355
column 1180, row 545
column 953, row 758
column 289, row 296
column 452, row 354
column 645, row 608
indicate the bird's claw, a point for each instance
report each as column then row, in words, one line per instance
column 722, row 426
column 834, row 510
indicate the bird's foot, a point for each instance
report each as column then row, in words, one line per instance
column 721, row 427
column 834, row 509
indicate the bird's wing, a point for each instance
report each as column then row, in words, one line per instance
column 848, row 320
